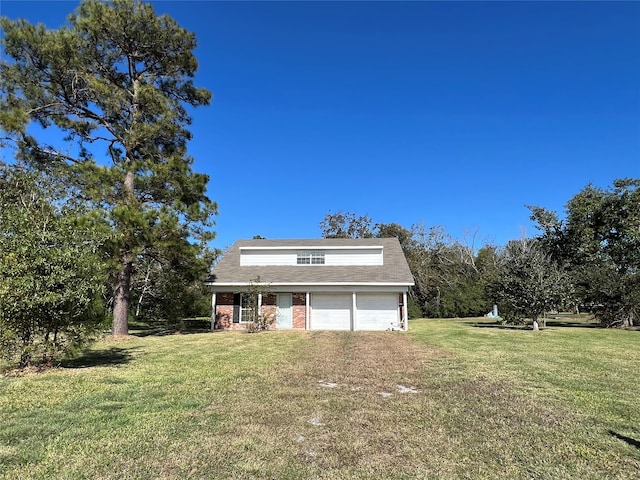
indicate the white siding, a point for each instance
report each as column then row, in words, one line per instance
column 377, row 311
column 268, row 257
column 362, row 256
column 330, row 312
column 353, row 257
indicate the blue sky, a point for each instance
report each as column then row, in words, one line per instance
column 446, row 113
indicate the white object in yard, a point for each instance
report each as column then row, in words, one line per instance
column 403, row 389
column 493, row 313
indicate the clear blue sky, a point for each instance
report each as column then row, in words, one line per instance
column 454, row 114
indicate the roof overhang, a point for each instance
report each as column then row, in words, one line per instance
column 312, row 287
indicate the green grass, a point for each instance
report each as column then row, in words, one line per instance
column 484, row 402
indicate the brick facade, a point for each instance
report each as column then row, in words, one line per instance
column 299, row 310
column 224, row 310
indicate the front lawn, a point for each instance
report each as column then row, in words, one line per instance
column 448, row 399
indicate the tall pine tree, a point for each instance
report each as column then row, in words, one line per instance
column 115, row 82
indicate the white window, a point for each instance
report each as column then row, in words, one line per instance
column 247, row 307
column 310, row 258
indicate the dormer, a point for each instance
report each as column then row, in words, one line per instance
column 311, row 256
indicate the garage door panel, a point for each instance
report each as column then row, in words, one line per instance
column 377, row 311
column 330, row 312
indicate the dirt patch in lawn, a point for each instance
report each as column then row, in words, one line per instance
column 359, row 362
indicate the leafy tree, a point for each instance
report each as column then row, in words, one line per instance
column 449, row 281
column 405, row 238
column 115, row 80
column 528, row 283
column 346, row 225
column 395, row 230
column 51, row 268
column 599, row 243
column 423, row 257
column 167, row 287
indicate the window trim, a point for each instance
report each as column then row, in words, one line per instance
column 310, row 257
column 244, row 308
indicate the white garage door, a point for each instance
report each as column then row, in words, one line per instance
column 330, row 312
column 377, row 311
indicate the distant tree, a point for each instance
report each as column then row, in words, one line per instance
column 52, row 270
column 528, row 283
column 456, row 283
column 169, row 287
column 346, row 225
column 487, row 262
column 394, row 230
column 423, row 254
column 599, row 243
column 116, row 79
column 463, row 281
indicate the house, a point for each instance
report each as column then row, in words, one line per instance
column 326, row 284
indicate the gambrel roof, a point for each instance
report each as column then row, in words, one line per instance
column 393, row 271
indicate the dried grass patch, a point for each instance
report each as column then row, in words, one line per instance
column 361, row 405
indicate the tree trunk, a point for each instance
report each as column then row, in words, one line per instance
column 121, row 296
column 25, row 350
column 627, row 320
column 122, row 289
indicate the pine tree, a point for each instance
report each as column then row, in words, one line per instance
column 115, row 83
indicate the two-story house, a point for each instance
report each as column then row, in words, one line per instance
column 325, row 284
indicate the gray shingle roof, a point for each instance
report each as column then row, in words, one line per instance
column 394, row 268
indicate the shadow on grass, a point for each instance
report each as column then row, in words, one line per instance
column 161, row 332
column 631, row 441
column 570, row 324
column 551, row 323
column 100, row 358
column 159, row 329
column 498, row 325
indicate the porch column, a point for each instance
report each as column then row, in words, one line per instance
column 213, row 311
column 306, row 311
column 259, row 306
column 405, row 312
column 354, row 310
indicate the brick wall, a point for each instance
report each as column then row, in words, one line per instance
column 224, row 316
column 299, row 310
column 224, row 310
column 269, row 314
